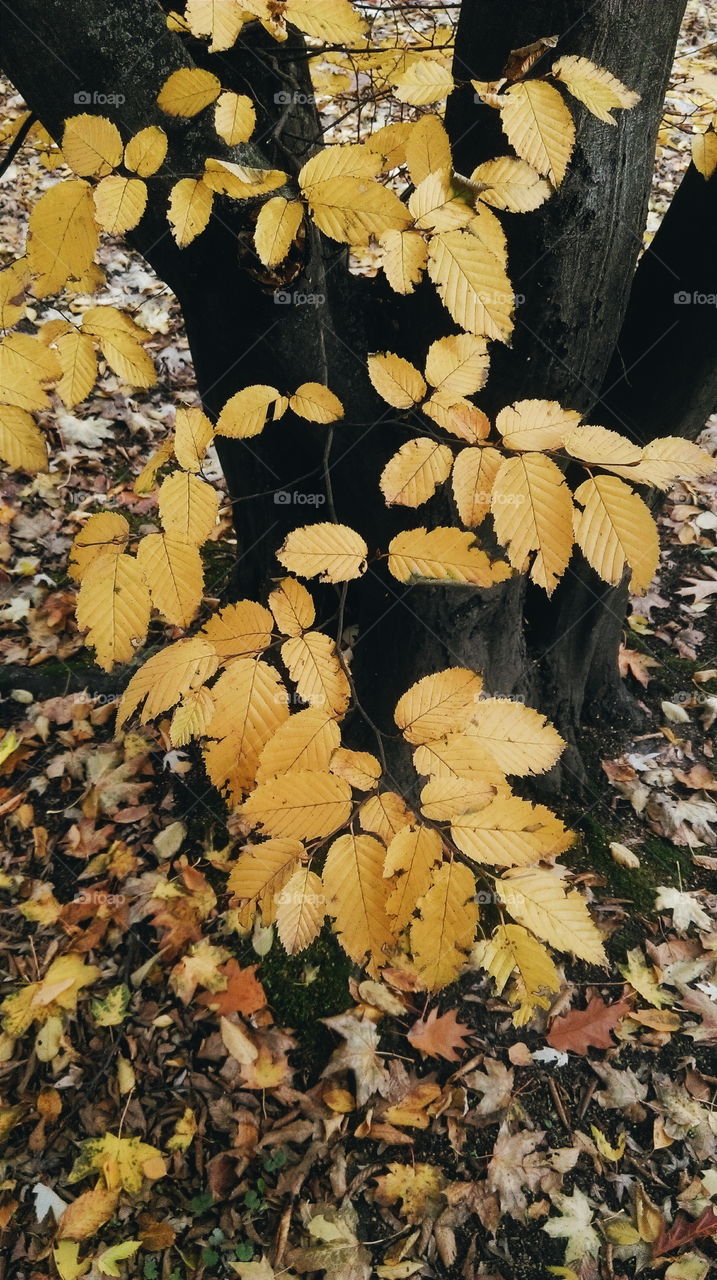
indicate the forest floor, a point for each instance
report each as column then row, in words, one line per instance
column 582, row 1144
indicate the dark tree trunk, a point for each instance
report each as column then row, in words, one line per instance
column 573, row 260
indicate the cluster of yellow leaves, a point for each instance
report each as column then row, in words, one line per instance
column 47, row 1003
column 512, row 478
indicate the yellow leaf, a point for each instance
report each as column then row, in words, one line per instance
column 276, row 229
column 188, row 507
column 385, row 815
column 414, row 473
column 457, row 366
column 292, row 607
column 191, row 718
column 300, row 910
column 472, row 284
column 234, row 118
column 704, row 152
column 307, row 740
column 488, row 228
column 259, row 874
column 533, row 511
column 190, row 207
column 238, row 181
column 539, row 127
column 63, row 236
column 602, row 448
column 405, row 255
column 511, row 184
column 352, row 210
column 188, row 91
column 313, row 664
column 146, row 151
column 239, row 630
column 510, row 832
column 396, row 380
column 435, row 206
column 458, row 756
column 355, row 160
column 360, row 769
column 221, row 20
column 237, row 1043
column 474, row 473
column 445, row 931
column 438, row 704
column 79, row 367
column 66, row 1254
column 616, row 530
column 108, row 1259
column 251, row 704
column 537, row 900
column 519, row 738
column 106, row 532
column 335, row 21
column 428, row 149
column 671, row 458
column 410, row 860
column 120, row 338
column 601, row 91
column 445, row 798
column 245, row 413
column 304, row 805
column 513, row 948
column 316, row 403
column 443, row 555
column 357, row 891
column 13, row 282
column 166, row 677
column 333, row 552
column 91, row 145
column 423, row 82
column 184, row 1129
column 193, row 434
column 120, row 203
column 173, row 572
column 113, row 606
column 536, row 424
column 58, row 991
column 147, row 478
column 82, row 1219
column 461, row 419
column 22, row 444
column 605, row 1147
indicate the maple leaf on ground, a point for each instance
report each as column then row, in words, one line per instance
column 684, row 1230
column 515, row 1164
column 359, row 1054
column 496, row 1085
column 581, row 1029
column 704, row 1032
column 336, row 1248
column 439, row 1036
column 632, row 662
column 419, row 1187
column 242, row 994
column 574, row 1225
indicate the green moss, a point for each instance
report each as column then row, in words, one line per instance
column 304, row 988
column 660, row 863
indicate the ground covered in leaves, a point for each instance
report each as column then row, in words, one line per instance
column 179, row 1099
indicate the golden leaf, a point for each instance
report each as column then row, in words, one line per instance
column 335, row 21
column 313, row 664
column 91, row 145
column 443, row 555
column 234, row 118
column 396, row 380
column 410, row 860
column 447, row 797
column 472, row 284
column 63, row 236
column 300, row 910
column 113, row 606
column 668, row 459
column 519, row 738
column 405, row 255
column 13, row 282
column 239, row 630
column 423, row 82
column 292, row 607
column 510, row 832
column 442, row 936
column 146, row 151
column 192, row 716
column 461, row 419
column 188, row 507
column 458, row 756
column 428, row 149
column 246, row 412
column 305, row 805
column 190, row 207
column 357, row 891
column 474, row 473
column 537, row 900
column 260, row 873
column 511, row 184
column 539, row 126
column 188, row 91
column 221, row 21
column 22, row 444
column 105, row 532
column 353, row 209
column 193, row 433
column 533, row 511
column 438, row 704
column 276, row 229
column 79, row 367
column 512, row 948
column 360, row 769
column 250, row 705
column 307, row 740
column 385, row 815
column 616, row 530
column 415, row 471
column 316, row 403
column 173, row 572
column 457, row 366
column 333, row 552
column 536, row 424
column 166, row 677
column 119, row 203
column 601, row 91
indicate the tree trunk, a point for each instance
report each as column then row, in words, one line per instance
column 573, row 260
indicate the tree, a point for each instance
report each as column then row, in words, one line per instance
column 262, row 215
